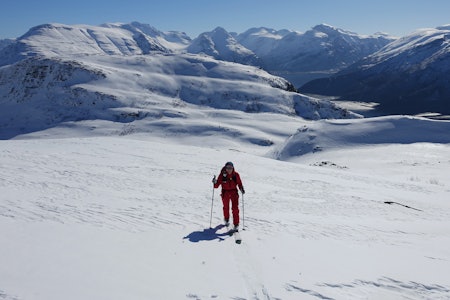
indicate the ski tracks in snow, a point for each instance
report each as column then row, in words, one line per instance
column 388, row 288
column 250, row 272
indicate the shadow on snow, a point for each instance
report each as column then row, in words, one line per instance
column 209, row 234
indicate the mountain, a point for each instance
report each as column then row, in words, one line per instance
column 409, row 75
column 223, row 46
column 125, row 73
column 323, row 48
column 298, row 57
column 319, row 52
column 59, row 40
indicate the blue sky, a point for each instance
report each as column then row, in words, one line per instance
column 397, row 17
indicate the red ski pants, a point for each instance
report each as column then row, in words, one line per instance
column 233, row 197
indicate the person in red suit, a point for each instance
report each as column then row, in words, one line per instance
column 230, row 181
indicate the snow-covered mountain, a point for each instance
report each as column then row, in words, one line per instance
column 323, row 48
column 223, row 46
column 300, row 57
column 59, row 40
column 58, row 73
column 409, row 75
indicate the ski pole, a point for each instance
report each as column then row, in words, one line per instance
column 243, row 213
column 212, row 204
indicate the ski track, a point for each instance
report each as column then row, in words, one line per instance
column 383, row 287
column 249, row 273
column 401, row 290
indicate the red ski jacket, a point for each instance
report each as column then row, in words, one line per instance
column 229, row 182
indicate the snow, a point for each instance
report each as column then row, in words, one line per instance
column 261, row 40
column 128, row 217
column 335, row 134
column 107, row 157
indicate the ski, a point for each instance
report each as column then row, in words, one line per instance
column 235, row 233
column 237, row 237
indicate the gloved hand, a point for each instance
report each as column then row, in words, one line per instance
column 242, row 191
column 214, row 180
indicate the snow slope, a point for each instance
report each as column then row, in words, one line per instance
column 128, row 217
column 329, row 135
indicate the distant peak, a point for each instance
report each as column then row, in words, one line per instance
column 43, row 28
column 220, row 30
column 219, row 33
column 324, row 27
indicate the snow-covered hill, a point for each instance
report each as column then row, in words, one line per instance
column 58, row 73
column 409, row 75
column 332, row 135
column 223, row 46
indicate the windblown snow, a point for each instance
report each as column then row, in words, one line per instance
column 107, row 157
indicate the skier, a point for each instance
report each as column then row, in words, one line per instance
column 230, row 181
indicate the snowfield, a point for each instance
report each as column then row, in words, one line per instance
column 109, row 139
column 128, row 218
